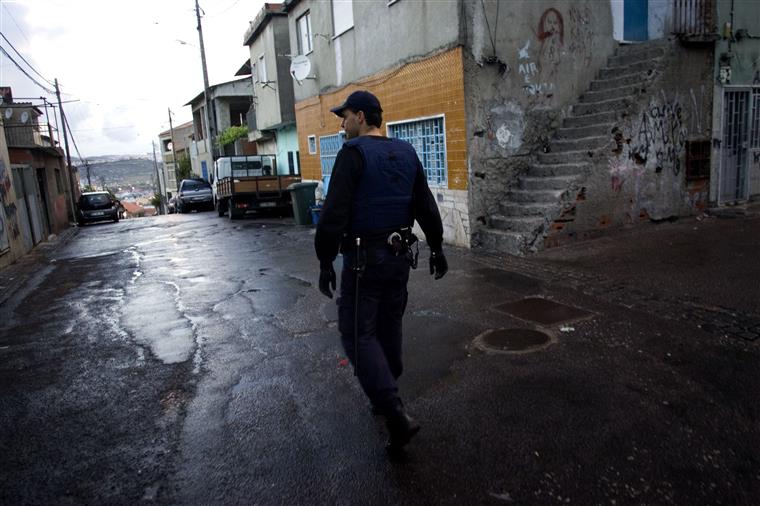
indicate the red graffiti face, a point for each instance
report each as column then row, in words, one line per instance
column 551, row 25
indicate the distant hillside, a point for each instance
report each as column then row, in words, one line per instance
column 116, row 173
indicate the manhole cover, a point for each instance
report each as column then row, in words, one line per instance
column 543, row 311
column 512, row 340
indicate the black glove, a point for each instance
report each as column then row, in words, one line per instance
column 326, row 279
column 438, row 264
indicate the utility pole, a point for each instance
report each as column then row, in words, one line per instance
column 174, row 148
column 161, row 209
column 68, row 153
column 207, row 103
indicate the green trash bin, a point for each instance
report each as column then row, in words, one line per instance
column 302, row 197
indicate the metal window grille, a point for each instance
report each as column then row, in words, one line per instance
column 693, row 17
column 697, row 159
column 429, row 140
column 755, row 128
column 734, row 146
column 329, row 145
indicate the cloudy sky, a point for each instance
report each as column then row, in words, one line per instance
column 121, row 64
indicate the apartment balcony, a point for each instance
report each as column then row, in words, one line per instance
column 695, row 20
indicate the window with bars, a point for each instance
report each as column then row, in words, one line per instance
column 755, row 128
column 428, row 136
column 329, row 145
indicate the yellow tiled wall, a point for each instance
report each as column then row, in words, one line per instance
column 429, row 87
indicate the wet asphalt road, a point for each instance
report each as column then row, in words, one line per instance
column 188, row 359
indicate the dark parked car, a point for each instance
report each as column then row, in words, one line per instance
column 97, row 206
column 194, row 194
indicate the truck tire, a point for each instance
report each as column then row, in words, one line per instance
column 220, row 208
column 231, row 213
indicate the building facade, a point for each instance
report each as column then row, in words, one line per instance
column 230, row 102
column 272, row 125
column 41, row 202
column 537, row 122
column 170, row 145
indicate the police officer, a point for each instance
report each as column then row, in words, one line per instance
column 377, row 189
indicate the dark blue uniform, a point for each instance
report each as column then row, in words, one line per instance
column 377, row 187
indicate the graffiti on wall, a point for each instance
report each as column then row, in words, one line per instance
column 5, row 186
column 551, row 35
column 529, row 71
column 660, row 139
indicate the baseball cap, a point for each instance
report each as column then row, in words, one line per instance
column 359, row 101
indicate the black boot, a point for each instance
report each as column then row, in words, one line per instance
column 401, row 426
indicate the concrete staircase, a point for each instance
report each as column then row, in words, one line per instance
column 553, row 182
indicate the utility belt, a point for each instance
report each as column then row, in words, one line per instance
column 399, row 242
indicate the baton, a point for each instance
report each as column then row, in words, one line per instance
column 356, row 307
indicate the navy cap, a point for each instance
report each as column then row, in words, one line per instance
column 359, row 101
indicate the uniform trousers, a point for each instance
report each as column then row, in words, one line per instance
column 382, row 302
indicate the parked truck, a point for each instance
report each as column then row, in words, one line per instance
column 249, row 184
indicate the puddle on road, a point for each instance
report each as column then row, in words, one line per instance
column 154, row 318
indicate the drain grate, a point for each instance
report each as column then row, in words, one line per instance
column 512, row 340
column 543, row 311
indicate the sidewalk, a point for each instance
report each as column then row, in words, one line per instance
column 14, row 276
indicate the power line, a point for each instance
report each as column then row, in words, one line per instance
column 13, row 18
column 24, row 59
column 25, row 72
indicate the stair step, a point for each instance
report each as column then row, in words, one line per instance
column 611, row 72
column 590, row 119
column 586, row 155
column 609, row 94
column 535, row 196
column 588, row 131
column 632, row 79
column 529, row 209
column 546, row 183
column 561, row 145
column 503, row 241
column 631, row 48
column 558, row 170
column 616, row 104
column 517, row 223
column 622, row 60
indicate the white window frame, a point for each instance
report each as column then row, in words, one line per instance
column 311, row 141
column 262, row 69
column 345, row 26
column 445, row 182
column 299, row 34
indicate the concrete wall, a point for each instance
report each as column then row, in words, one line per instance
column 383, row 36
column 274, row 102
column 517, row 95
column 642, row 175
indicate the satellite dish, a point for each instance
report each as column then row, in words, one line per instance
column 24, row 117
column 8, row 113
column 300, row 67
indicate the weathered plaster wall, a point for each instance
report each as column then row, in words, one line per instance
column 643, row 175
column 383, row 36
column 526, row 63
column 274, row 101
column 11, row 243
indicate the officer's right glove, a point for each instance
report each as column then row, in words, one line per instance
column 438, row 264
column 326, row 279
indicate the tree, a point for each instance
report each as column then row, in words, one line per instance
column 231, row 134
column 155, row 200
column 184, row 169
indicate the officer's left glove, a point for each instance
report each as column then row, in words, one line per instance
column 438, row 264
column 326, row 279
